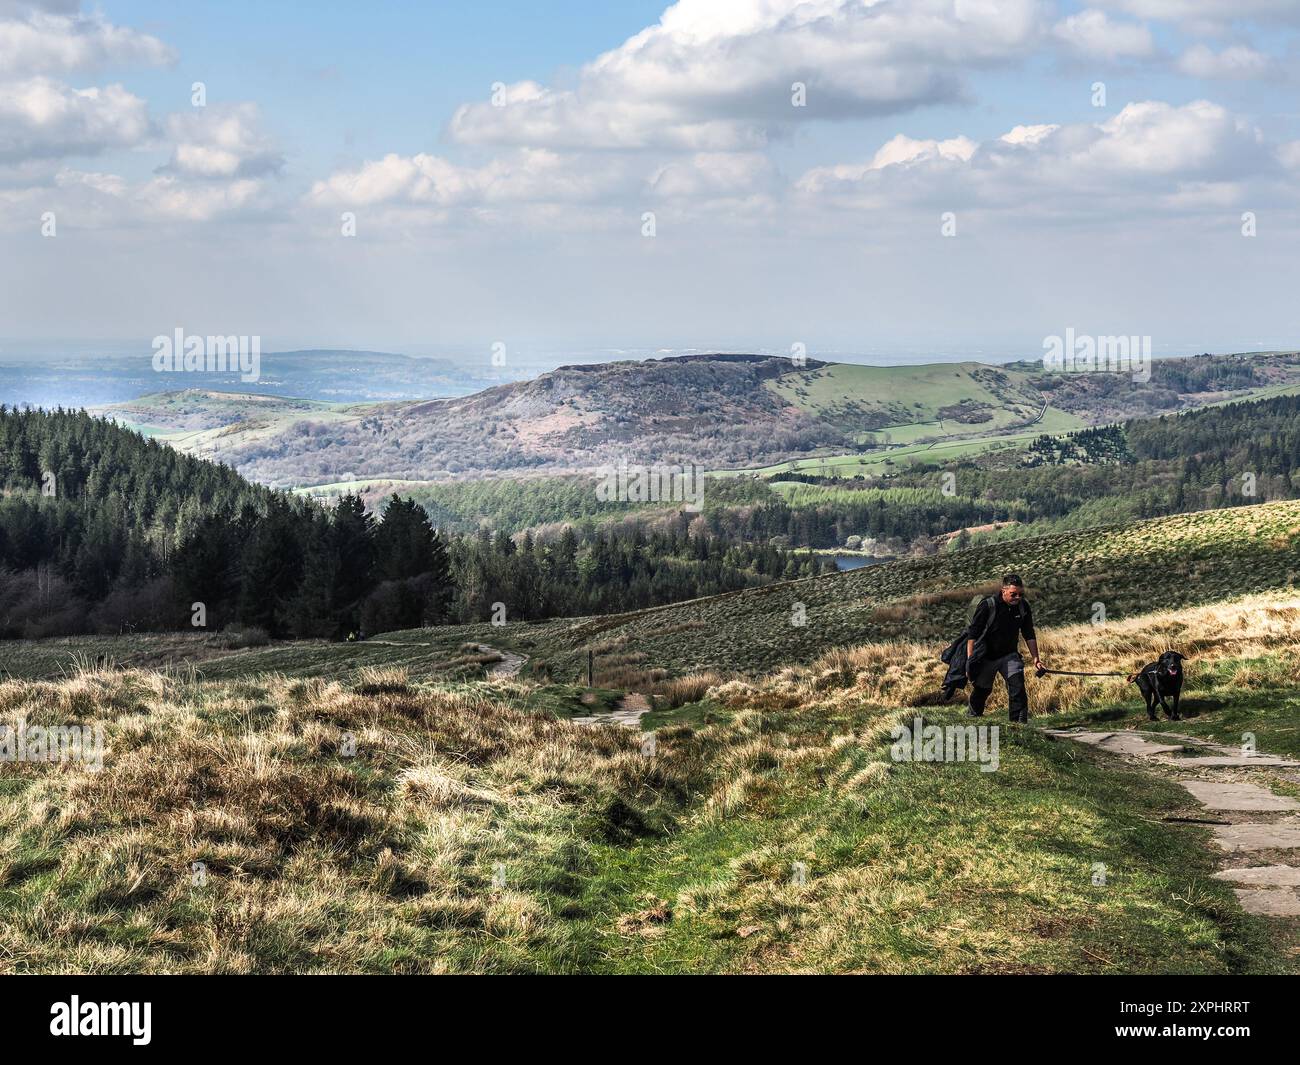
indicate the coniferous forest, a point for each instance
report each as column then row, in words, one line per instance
column 103, row 530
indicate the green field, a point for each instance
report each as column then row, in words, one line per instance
column 907, row 395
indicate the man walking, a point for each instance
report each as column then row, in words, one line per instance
column 993, row 648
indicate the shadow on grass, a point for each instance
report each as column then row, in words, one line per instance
column 1197, row 707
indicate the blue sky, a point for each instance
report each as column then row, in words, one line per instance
column 522, row 223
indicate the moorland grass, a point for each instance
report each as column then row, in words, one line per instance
column 475, row 831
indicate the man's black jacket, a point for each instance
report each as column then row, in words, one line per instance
column 986, row 614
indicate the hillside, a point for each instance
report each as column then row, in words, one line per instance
column 91, row 517
column 716, row 411
column 390, row 806
column 1185, row 560
column 235, row 828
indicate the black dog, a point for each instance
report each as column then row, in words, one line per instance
column 1160, row 679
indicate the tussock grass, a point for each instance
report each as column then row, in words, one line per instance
column 475, row 831
column 453, row 839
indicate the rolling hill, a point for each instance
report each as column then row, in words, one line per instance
column 721, row 412
column 1132, row 568
column 367, row 819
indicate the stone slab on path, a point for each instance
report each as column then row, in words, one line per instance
column 1255, row 836
column 1269, row 902
column 631, row 708
column 1117, row 742
column 1262, row 876
column 1214, row 795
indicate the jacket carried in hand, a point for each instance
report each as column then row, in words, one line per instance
column 954, row 655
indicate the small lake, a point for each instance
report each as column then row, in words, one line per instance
column 847, row 562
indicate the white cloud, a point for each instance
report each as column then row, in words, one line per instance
column 36, row 41
column 171, row 198
column 105, row 200
column 573, row 189
column 1150, row 154
column 220, row 141
column 43, row 118
column 717, row 76
column 1235, row 62
column 527, row 175
column 709, row 176
column 1091, row 34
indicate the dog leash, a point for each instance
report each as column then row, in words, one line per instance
column 1069, row 673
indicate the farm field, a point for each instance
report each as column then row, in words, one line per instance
column 892, row 459
column 906, row 395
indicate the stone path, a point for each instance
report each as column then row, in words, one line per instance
column 1244, row 797
column 631, row 708
column 1244, row 831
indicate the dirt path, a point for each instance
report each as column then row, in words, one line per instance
column 510, row 664
column 1257, row 829
column 631, row 708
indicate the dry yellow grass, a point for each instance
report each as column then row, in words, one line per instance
column 436, row 846
column 902, row 673
column 461, row 833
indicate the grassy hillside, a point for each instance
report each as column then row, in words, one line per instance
column 723, row 412
column 1187, row 560
column 1182, row 561
column 209, row 424
column 471, row 832
column 945, row 398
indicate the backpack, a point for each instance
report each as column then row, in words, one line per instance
column 954, row 655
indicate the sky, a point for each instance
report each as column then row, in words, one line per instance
column 895, row 178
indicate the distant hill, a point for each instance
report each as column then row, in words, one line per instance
column 716, row 411
column 330, row 376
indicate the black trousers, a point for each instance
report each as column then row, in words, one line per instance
column 1012, row 670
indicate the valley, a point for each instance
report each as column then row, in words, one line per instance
column 490, row 722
